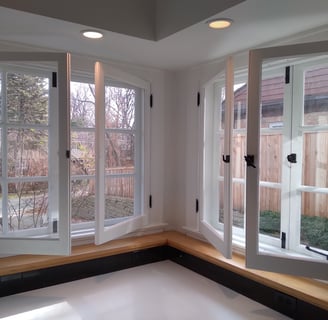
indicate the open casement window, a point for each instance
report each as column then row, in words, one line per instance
column 216, row 195
column 122, row 167
column 34, row 131
column 287, row 171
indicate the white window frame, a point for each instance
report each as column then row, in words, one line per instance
column 39, row 241
column 104, row 233
column 219, row 236
column 293, row 264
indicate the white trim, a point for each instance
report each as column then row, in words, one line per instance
column 219, row 235
column 104, row 233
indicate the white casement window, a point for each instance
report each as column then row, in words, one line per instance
column 122, row 167
column 74, row 154
column 283, row 186
column 216, row 183
column 287, row 137
column 34, row 130
column 109, row 148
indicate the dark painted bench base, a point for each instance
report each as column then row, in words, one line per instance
column 267, row 296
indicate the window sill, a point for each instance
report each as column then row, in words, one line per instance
column 309, row 290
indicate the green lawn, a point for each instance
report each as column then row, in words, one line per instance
column 314, row 230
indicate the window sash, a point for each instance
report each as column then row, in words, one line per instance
column 254, row 257
column 35, row 241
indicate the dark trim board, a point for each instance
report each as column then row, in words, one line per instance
column 285, row 304
column 276, row 300
column 30, row 280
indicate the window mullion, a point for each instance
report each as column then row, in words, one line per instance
column 4, row 155
column 296, row 168
column 286, row 149
column 100, row 153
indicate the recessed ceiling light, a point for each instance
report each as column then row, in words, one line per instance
column 219, row 23
column 92, row 34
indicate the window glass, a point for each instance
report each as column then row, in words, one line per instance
column 27, row 152
column 27, row 98
column 82, row 152
column 314, row 221
column 238, row 153
column 27, row 155
column 27, row 205
column 120, row 151
column 120, row 107
column 270, row 212
column 315, row 96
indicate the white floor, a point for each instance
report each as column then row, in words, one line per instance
column 157, row 291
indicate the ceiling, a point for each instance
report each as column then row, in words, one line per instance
column 169, row 34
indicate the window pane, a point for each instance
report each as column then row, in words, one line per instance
column 315, row 159
column 238, row 205
column 82, row 105
column 240, row 107
column 27, row 152
column 272, row 94
column 238, row 174
column 119, row 201
column 316, row 93
column 27, row 98
column 238, row 152
column 1, row 100
column 83, row 200
column 270, row 203
column 120, row 107
column 270, row 161
column 221, row 204
column 1, row 212
column 119, row 151
column 27, row 205
column 314, row 220
column 82, row 153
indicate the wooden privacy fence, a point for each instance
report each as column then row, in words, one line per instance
column 120, row 183
column 314, row 172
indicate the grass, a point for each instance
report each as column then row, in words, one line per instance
column 314, row 230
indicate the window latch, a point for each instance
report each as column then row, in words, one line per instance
column 292, row 158
column 250, row 160
column 226, row 158
column 316, row 251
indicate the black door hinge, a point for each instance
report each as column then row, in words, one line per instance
column 54, row 80
column 197, row 206
column 287, row 74
column 54, row 226
column 198, row 99
column 68, row 154
column 151, row 100
column 150, row 201
column 283, row 240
